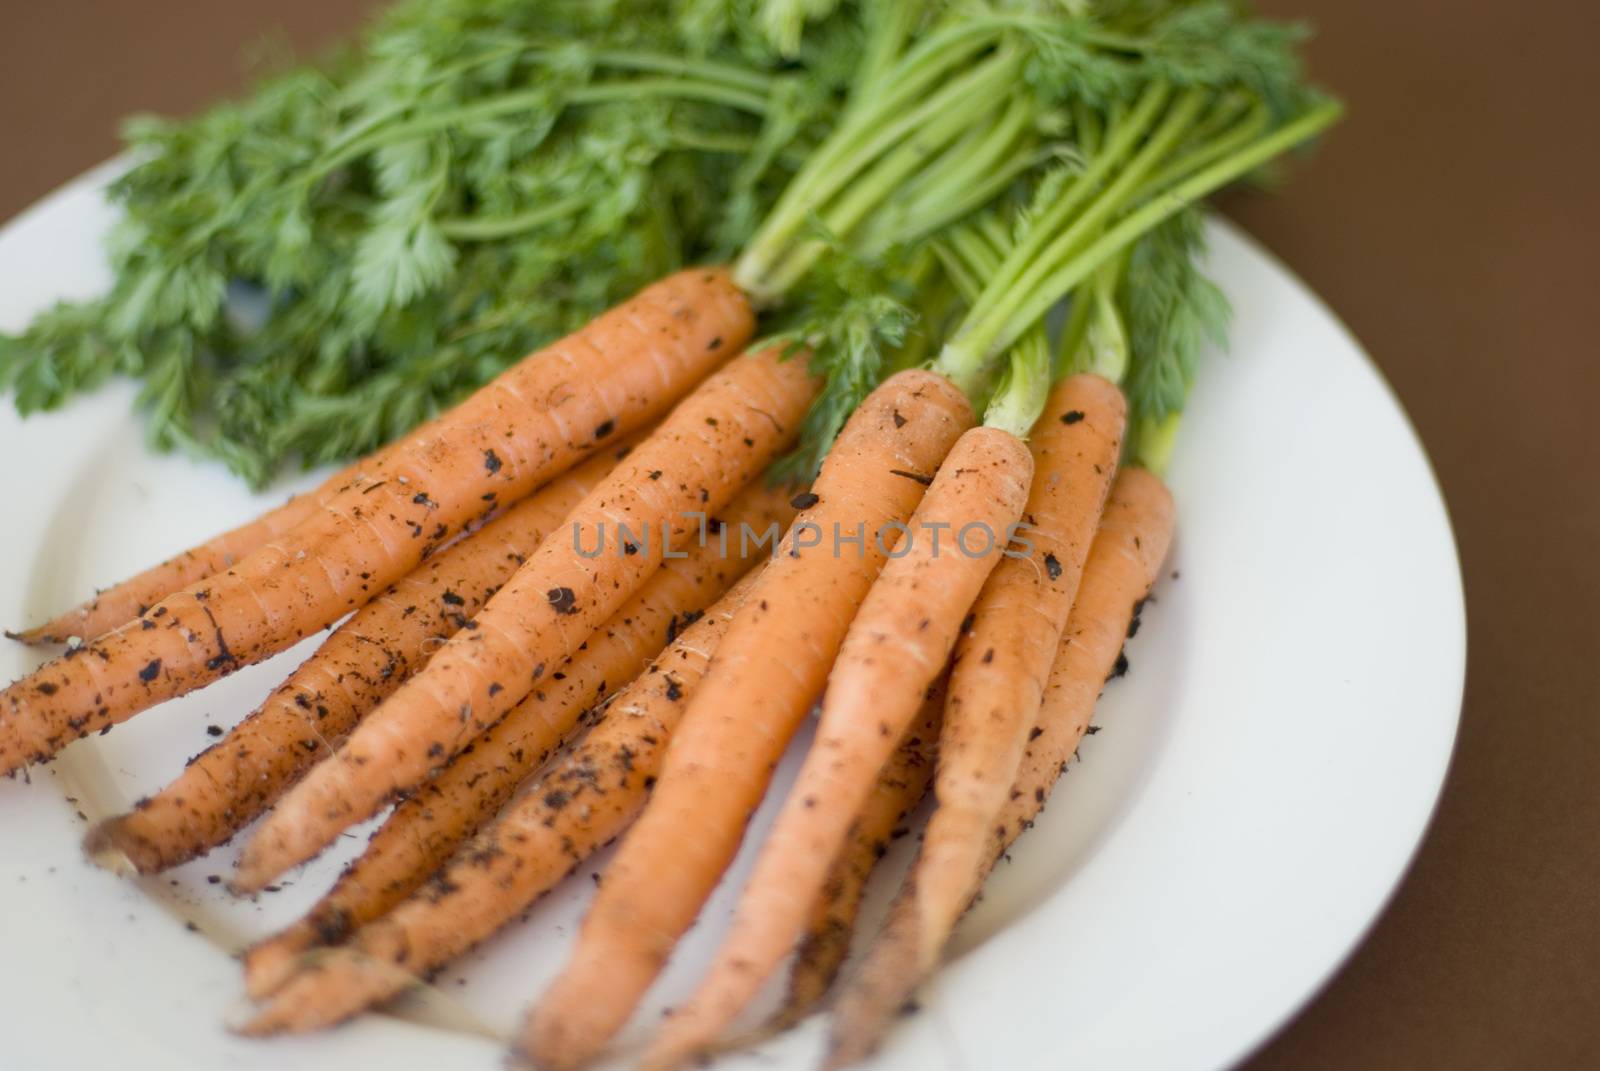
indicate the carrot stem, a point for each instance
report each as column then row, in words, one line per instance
column 1126, row 129
column 1153, row 441
column 938, row 121
column 488, row 228
column 989, row 331
column 972, row 254
column 1168, row 204
column 1078, row 234
column 512, row 103
column 1103, row 346
column 889, row 27
column 876, row 124
column 1214, row 145
column 966, row 175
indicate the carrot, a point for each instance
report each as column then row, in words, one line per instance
column 532, row 422
column 900, row 639
column 428, row 826
column 712, row 444
column 767, row 673
column 900, row 787
column 363, row 662
column 1005, row 653
column 564, row 817
column 129, row 598
column 1133, row 536
column 1003, row 657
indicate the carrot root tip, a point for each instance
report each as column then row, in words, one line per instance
column 111, row 845
column 108, row 846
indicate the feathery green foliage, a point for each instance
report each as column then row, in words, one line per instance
column 408, row 218
column 849, row 318
column 1172, row 312
column 311, row 271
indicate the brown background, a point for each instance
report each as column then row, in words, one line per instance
column 1451, row 222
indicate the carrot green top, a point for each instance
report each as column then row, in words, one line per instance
column 306, row 272
column 1094, row 130
column 478, row 177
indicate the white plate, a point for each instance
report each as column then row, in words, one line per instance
column 1267, row 768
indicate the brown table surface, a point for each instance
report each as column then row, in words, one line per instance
column 1451, row 221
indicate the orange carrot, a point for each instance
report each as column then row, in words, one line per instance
column 585, row 801
column 1004, row 656
column 126, row 600
column 428, row 826
column 901, row 637
column 767, row 673
column 532, row 422
column 1133, row 536
column 363, row 662
column 712, row 444
column 900, row 787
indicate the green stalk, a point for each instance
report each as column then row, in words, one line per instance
column 914, row 74
column 969, row 174
column 870, row 128
column 1125, row 134
column 712, row 141
column 1164, row 205
column 893, row 23
column 366, row 124
column 971, row 254
column 964, row 255
column 947, row 119
column 945, row 115
column 1064, row 249
column 704, row 71
column 699, row 69
column 1222, row 115
column 484, row 228
column 1024, row 389
column 999, row 236
column 512, row 103
column 1104, row 346
column 987, row 334
column 1252, row 126
column 684, row 88
column 1090, row 130
column 1075, row 329
column 934, row 216
column 1152, row 442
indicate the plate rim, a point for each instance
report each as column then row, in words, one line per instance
column 1461, row 634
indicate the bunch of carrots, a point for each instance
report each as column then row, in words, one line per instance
column 558, row 632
